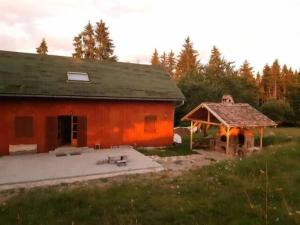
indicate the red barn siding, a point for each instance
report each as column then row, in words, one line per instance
column 108, row 123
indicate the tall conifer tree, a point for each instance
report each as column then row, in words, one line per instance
column 275, row 73
column 187, row 60
column 171, row 64
column 284, row 81
column 218, row 66
column 163, row 61
column 258, row 81
column 104, row 44
column 43, row 48
column 88, row 42
column 246, row 71
column 215, row 64
column 78, row 47
column 294, row 75
column 267, row 82
column 155, row 58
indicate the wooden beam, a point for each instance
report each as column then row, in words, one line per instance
column 191, row 136
column 261, row 137
column 208, row 120
column 210, row 123
column 186, row 117
column 227, row 140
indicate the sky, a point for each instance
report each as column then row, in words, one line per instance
column 257, row 30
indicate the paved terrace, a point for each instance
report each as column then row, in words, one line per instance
column 47, row 169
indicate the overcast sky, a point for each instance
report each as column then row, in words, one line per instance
column 256, row 30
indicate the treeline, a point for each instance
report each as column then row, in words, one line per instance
column 275, row 91
column 94, row 43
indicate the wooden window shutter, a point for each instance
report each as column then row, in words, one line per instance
column 51, row 133
column 150, row 124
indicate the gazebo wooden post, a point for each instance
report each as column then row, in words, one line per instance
column 208, row 120
column 227, row 140
column 261, row 137
column 191, row 136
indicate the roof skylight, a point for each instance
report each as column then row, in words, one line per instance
column 78, row 76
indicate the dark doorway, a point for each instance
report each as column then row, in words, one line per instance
column 64, row 130
column 241, row 138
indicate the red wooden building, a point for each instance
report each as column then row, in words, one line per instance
column 52, row 101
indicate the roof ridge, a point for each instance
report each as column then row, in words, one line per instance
column 83, row 60
column 226, row 104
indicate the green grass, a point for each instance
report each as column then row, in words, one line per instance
column 230, row 192
column 183, row 149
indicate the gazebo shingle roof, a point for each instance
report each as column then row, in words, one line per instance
column 232, row 115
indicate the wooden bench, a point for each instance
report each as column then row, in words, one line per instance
column 22, row 149
column 121, row 162
column 115, row 158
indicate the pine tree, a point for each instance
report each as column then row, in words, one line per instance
column 292, row 76
column 284, row 81
column 42, row 49
column 267, row 82
column 215, row 64
column 246, row 71
column 171, row 64
column 104, row 44
column 275, row 73
column 155, row 59
column 78, row 47
column 163, row 61
column 258, row 82
column 88, row 42
column 218, row 66
column 187, row 60
column 296, row 76
column 258, row 79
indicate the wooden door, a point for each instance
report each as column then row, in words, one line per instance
column 74, row 130
column 51, row 133
column 82, row 131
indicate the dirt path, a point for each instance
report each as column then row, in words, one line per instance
column 178, row 164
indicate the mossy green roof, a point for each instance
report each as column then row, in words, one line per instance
column 24, row 74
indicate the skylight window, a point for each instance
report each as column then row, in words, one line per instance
column 78, row 76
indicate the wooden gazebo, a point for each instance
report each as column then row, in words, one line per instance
column 231, row 118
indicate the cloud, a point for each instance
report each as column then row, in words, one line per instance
column 23, row 11
column 121, row 10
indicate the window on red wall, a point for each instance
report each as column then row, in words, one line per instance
column 24, row 126
column 150, row 124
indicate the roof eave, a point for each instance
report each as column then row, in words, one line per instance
column 92, row 97
column 204, row 105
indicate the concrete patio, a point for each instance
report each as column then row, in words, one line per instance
column 21, row 171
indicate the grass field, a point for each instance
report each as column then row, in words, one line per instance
column 183, row 149
column 238, row 191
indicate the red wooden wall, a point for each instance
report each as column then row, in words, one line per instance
column 108, row 122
